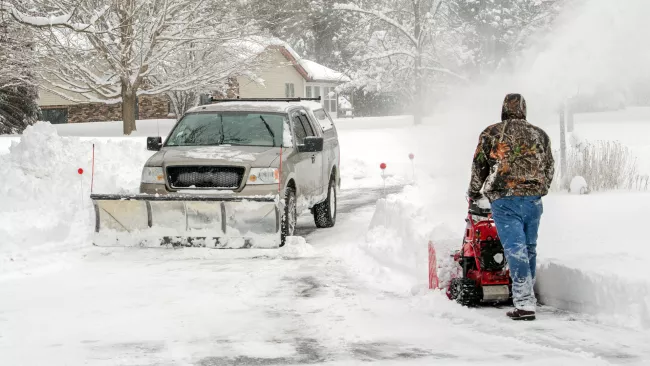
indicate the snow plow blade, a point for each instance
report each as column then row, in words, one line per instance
column 187, row 220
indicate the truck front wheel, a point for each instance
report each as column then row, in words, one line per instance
column 290, row 216
column 325, row 212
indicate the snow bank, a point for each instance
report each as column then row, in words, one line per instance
column 395, row 246
column 593, row 254
column 45, row 202
column 611, row 297
column 147, row 127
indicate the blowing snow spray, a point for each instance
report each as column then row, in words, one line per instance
column 382, row 166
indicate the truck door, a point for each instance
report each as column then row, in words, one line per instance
column 306, row 164
column 316, row 158
column 330, row 146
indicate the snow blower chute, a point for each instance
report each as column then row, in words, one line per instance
column 187, row 220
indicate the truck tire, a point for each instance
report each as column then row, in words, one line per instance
column 289, row 217
column 325, row 212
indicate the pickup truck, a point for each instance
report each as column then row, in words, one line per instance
column 244, row 150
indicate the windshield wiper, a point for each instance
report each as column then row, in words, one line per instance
column 268, row 128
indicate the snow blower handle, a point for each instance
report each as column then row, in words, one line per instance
column 470, row 219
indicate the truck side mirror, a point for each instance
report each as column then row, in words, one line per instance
column 311, row 144
column 154, row 143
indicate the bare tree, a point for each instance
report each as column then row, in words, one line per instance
column 226, row 61
column 18, row 90
column 497, row 29
column 112, row 51
column 410, row 39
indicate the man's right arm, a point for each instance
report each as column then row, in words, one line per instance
column 480, row 166
column 549, row 164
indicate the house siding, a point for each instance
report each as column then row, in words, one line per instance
column 275, row 77
column 149, row 107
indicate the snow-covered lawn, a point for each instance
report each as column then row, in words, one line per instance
column 354, row 293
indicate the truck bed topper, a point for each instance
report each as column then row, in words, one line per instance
column 317, row 99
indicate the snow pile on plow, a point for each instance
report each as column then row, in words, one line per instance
column 45, row 201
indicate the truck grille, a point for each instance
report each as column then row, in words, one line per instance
column 221, row 177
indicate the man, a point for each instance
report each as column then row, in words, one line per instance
column 514, row 166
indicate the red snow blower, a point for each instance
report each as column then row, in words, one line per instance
column 485, row 277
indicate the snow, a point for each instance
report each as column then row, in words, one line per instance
column 578, row 185
column 356, row 293
column 220, row 153
column 590, row 239
column 37, row 21
column 44, row 207
column 589, row 260
column 296, row 247
column 350, row 294
column 148, row 127
column 318, row 72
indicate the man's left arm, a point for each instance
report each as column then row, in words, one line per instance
column 480, row 167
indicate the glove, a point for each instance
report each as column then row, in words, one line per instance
column 474, row 196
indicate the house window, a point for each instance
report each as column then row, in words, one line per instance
column 329, row 99
column 55, row 115
column 308, row 92
column 289, row 90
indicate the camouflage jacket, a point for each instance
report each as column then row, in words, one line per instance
column 513, row 157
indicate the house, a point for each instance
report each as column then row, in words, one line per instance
column 282, row 73
column 279, row 72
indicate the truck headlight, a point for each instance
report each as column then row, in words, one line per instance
column 264, row 176
column 153, row 175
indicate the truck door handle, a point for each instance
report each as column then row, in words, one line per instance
column 313, row 159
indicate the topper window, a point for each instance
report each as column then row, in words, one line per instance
column 323, row 119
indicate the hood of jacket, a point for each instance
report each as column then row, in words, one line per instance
column 514, row 107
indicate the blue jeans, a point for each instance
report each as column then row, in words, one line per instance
column 517, row 220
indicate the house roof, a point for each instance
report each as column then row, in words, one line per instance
column 309, row 70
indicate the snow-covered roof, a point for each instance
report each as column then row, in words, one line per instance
column 310, row 70
column 318, row 72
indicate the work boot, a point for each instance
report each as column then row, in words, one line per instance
column 518, row 314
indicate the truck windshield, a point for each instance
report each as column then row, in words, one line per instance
column 228, row 128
